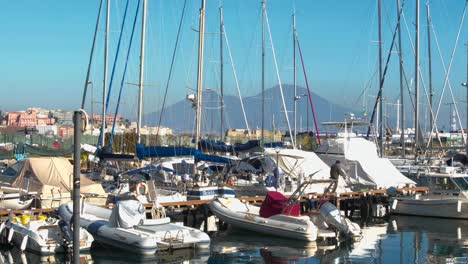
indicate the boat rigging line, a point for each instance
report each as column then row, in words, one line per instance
column 91, row 56
column 382, row 79
column 279, row 81
column 124, row 74
column 308, row 89
column 447, row 71
column 171, row 67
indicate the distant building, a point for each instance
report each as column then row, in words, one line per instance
column 63, row 117
column 96, row 119
column 163, row 131
column 65, row 131
column 257, row 133
column 29, row 118
column 46, row 129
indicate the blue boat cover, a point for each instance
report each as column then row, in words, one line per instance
column 158, row 151
column 213, row 158
column 273, row 145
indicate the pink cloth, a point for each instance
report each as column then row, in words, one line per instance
column 276, row 203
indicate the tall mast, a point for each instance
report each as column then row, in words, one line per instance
column 91, row 60
column 381, row 130
column 294, row 74
column 199, row 74
column 416, row 83
column 466, row 86
column 221, row 35
column 402, row 105
column 431, row 91
column 142, row 62
column 263, row 70
column 104, row 90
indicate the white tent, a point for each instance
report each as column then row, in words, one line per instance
column 294, row 162
column 362, row 161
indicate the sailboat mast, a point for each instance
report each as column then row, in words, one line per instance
column 221, row 68
column 381, row 130
column 199, row 74
column 87, row 82
column 263, row 70
column 104, row 89
column 431, row 91
column 416, row 83
column 466, row 86
column 402, row 105
column 294, row 74
column 142, row 62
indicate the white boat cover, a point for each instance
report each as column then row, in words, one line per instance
column 294, row 162
column 127, row 214
column 48, row 174
column 372, row 168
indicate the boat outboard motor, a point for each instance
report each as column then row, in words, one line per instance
column 127, row 213
column 65, row 228
column 333, row 217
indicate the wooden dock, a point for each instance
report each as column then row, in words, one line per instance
column 192, row 204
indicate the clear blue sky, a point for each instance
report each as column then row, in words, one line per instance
column 45, row 45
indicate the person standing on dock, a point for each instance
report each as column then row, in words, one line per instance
column 336, row 170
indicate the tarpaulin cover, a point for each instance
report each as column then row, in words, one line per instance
column 276, row 203
column 158, row 151
column 44, row 175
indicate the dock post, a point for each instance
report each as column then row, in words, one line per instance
column 76, row 185
column 186, row 213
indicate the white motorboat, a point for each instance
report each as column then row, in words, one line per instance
column 447, row 197
column 14, row 198
column 280, row 216
column 209, row 192
column 42, row 236
column 126, row 227
column 246, row 216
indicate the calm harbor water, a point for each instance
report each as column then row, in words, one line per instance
column 401, row 239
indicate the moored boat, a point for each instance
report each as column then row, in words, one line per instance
column 126, row 227
column 44, row 235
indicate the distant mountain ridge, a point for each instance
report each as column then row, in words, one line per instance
column 180, row 116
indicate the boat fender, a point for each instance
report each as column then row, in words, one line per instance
column 24, row 243
column 138, row 188
column 10, row 235
column 394, row 204
column 459, row 206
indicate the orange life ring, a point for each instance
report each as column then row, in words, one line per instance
column 138, row 188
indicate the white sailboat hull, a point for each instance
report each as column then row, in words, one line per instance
column 445, row 207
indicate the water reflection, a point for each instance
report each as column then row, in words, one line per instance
column 403, row 239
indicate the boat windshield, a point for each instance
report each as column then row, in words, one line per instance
column 461, row 182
